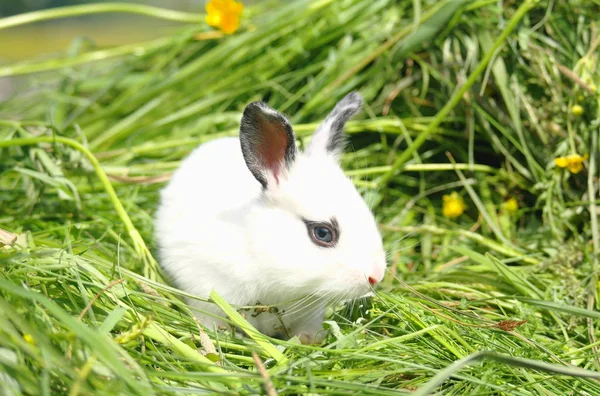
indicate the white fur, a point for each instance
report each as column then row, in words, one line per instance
column 216, row 228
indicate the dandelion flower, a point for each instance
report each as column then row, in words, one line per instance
column 29, row 339
column 511, row 205
column 224, row 14
column 577, row 110
column 573, row 162
column 453, row 205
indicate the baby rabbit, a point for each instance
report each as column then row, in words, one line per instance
column 261, row 222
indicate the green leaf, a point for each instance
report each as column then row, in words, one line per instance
column 428, row 30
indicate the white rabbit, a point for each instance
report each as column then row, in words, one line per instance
column 262, row 223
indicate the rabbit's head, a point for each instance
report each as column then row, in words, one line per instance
column 311, row 233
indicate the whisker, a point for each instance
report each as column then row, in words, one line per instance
column 397, row 242
column 391, row 251
column 299, row 302
column 323, row 299
column 407, row 235
column 313, row 301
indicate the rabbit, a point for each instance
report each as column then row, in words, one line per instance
column 261, row 222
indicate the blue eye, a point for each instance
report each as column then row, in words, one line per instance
column 323, row 234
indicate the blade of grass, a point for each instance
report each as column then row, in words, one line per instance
column 140, row 245
column 91, row 9
column 262, row 341
column 102, row 345
column 449, row 371
column 523, row 9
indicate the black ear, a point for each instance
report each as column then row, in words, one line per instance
column 329, row 136
column 268, row 142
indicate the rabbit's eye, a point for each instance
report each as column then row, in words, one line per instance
column 323, row 234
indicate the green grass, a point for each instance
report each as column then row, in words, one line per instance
column 460, row 96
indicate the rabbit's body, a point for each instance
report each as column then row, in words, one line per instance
column 264, row 224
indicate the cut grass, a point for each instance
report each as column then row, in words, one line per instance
column 495, row 302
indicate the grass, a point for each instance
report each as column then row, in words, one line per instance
column 460, row 96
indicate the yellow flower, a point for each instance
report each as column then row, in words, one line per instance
column 29, row 339
column 573, row 162
column 511, row 205
column 577, row 110
column 453, row 205
column 224, row 14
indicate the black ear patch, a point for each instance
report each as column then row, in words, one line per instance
column 330, row 134
column 268, row 142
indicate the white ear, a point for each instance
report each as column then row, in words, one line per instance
column 329, row 136
column 268, row 142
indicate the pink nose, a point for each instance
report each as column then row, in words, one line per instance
column 376, row 275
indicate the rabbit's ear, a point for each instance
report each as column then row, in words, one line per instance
column 268, row 142
column 329, row 136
